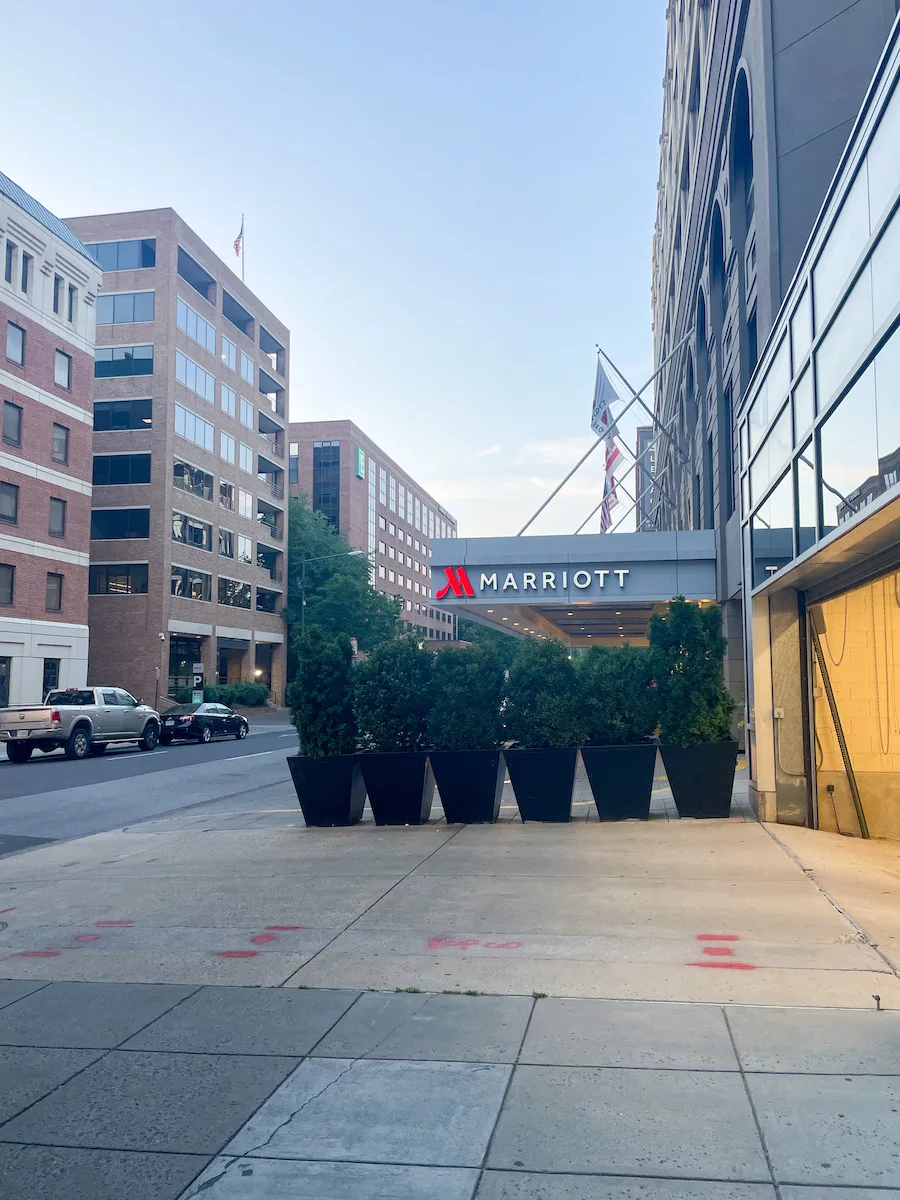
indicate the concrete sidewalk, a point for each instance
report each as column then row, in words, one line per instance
column 676, row 1009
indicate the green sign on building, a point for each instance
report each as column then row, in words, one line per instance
column 360, row 464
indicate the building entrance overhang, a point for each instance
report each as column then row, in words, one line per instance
column 583, row 590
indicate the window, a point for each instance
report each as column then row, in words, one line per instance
column 111, row 524
column 7, row 584
column 122, row 414
column 51, row 675
column 229, row 353
column 400, row 558
column 418, row 521
column 57, row 517
column 54, row 592
column 246, row 413
column 72, row 304
column 246, row 368
column 228, row 401
column 9, row 504
column 125, row 308
column 226, row 495
column 246, row 461
column 117, row 579
column 390, row 576
column 382, row 524
column 245, row 549
column 27, row 262
column 194, row 377
column 326, row 488
column 382, row 485
column 12, row 423
column 226, row 446
column 234, row 593
column 245, row 503
column 391, row 552
column 191, row 532
column 197, row 329
column 15, row 343
column 226, row 543
column 60, row 444
column 393, row 496
column 188, row 425
column 62, row 370
column 131, row 255
column 10, row 261
column 113, row 361
column 57, row 293
column 267, row 601
column 192, row 479
column 191, row 584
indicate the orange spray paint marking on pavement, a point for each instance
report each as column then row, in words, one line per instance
column 722, row 951
column 236, row 953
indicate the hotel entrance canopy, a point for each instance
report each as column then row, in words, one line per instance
column 582, row 589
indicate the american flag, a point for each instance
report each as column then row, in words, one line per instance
column 601, row 423
column 239, row 240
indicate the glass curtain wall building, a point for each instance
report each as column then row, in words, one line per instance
column 819, row 446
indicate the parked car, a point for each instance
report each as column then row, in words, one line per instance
column 202, row 722
column 80, row 720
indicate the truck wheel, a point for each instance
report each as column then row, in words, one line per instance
column 150, row 740
column 79, row 743
column 18, row 754
column 98, row 747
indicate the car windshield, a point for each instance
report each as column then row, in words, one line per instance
column 79, row 698
column 182, row 710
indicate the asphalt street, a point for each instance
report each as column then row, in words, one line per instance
column 50, row 797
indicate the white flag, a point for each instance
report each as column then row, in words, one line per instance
column 604, row 394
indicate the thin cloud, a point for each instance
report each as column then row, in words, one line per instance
column 488, row 451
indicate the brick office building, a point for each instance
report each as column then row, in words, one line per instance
column 48, row 285
column 379, row 509
column 188, row 527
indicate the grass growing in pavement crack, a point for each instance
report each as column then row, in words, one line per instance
column 408, row 990
column 539, row 995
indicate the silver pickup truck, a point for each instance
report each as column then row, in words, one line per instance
column 80, row 720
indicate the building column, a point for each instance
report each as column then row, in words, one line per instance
column 760, row 722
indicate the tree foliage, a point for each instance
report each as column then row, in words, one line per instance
column 618, row 696
column 687, row 652
column 349, row 605
column 394, row 695
column 542, row 706
column 483, row 635
column 468, row 692
column 321, row 696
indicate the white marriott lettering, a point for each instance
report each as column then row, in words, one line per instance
column 580, row 579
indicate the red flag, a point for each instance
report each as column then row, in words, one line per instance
column 239, row 240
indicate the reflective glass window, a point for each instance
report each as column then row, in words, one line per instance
column 887, row 409
column 801, row 329
column 886, row 273
column 848, row 336
column 803, row 405
column 848, row 454
column 848, row 235
column 806, row 499
column 772, row 532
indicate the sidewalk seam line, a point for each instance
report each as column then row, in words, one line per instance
column 512, row 1074
column 750, row 1101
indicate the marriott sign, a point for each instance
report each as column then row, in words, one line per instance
column 542, row 581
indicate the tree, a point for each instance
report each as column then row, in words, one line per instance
column 483, row 635
column 321, row 696
column 468, row 690
column 394, row 696
column 687, row 650
column 542, row 706
column 312, row 536
column 349, row 605
column 619, row 701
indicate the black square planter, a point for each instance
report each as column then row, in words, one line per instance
column 621, row 779
column 400, row 786
column 470, row 784
column 701, row 777
column 542, row 780
column 330, row 790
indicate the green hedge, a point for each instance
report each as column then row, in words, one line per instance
column 251, row 695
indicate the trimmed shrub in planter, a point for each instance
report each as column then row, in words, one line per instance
column 252, row 695
column 695, row 708
column 619, row 706
column 393, row 703
column 326, row 773
column 465, row 730
column 542, row 717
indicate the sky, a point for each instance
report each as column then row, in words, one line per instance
column 448, row 204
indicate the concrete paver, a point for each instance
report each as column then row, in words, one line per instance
column 29, row 1072
column 417, row 1113
column 439, row 1028
column 596, row 1033
column 14, row 989
column 828, row 1042
column 85, row 1014
column 59, row 1173
column 169, row 1103
column 520, row 1185
column 629, row 1122
column 273, row 1179
column 822, row 1193
column 826, row 1129
column 229, row 1020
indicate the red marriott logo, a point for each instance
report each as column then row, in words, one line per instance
column 457, row 583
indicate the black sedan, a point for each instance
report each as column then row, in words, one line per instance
column 202, row 723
